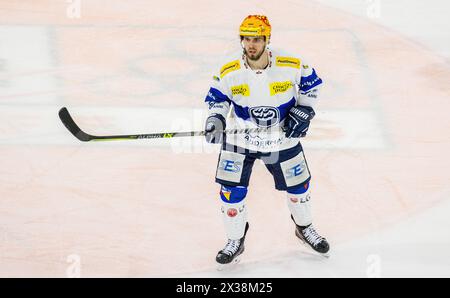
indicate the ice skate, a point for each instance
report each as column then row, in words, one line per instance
column 230, row 254
column 309, row 236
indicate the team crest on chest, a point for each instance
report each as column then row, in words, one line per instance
column 265, row 116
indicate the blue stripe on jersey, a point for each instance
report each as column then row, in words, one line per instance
column 240, row 111
column 284, row 108
column 243, row 113
column 215, row 95
column 309, row 82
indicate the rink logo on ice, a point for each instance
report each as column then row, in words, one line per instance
column 265, row 116
column 230, row 166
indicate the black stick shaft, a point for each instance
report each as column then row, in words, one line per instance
column 70, row 124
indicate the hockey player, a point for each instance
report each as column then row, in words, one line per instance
column 275, row 92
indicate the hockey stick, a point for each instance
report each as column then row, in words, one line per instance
column 70, row 124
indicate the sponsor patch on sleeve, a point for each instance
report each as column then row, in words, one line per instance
column 287, row 62
column 229, row 67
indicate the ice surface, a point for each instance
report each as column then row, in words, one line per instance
column 377, row 150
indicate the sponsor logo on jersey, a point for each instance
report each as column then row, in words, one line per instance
column 243, row 90
column 305, row 85
column 294, row 200
column 250, row 31
column 296, row 170
column 263, row 144
column 232, row 212
column 265, row 116
column 302, row 199
column 230, row 166
column 226, row 194
column 229, row 67
column 306, row 199
column 211, row 96
column 287, row 61
column 215, row 105
column 280, row 87
column 311, row 93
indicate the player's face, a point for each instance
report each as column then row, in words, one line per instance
column 254, row 47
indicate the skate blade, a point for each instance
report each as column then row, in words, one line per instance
column 309, row 250
column 232, row 264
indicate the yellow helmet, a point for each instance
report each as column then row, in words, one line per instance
column 255, row 25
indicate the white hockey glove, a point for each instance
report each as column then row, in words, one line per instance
column 214, row 127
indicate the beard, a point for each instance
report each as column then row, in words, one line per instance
column 255, row 56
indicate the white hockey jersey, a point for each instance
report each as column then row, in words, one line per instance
column 262, row 98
